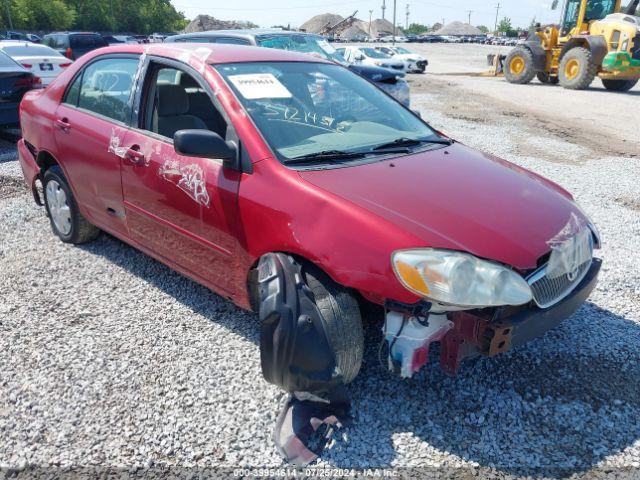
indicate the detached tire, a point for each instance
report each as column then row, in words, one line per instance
column 66, row 220
column 341, row 314
column 518, row 66
column 547, row 79
column 619, row 85
column 577, row 69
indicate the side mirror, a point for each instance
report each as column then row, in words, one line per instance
column 417, row 113
column 206, row 144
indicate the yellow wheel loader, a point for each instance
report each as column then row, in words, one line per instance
column 594, row 38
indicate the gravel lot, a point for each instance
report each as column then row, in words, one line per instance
column 108, row 358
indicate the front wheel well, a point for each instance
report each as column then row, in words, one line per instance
column 45, row 161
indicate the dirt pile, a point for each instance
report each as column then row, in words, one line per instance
column 458, row 28
column 203, row 23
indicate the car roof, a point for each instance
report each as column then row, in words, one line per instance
column 214, row 53
column 243, row 33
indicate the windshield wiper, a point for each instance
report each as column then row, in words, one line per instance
column 412, row 142
column 325, row 155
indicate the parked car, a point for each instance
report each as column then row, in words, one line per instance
column 299, row 190
column 390, row 81
column 115, row 39
column 159, row 37
column 15, row 81
column 32, row 37
column 9, row 35
column 390, row 39
column 413, row 62
column 74, row 44
column 373, row 57
column 43, row 61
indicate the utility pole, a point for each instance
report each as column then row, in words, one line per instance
column 9, row 13
column 406, row 21
column 470, row 12
column 370, row 13
column 384, row 7
column 394, row 21
column 495, row 29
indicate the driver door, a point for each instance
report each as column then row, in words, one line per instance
column 181, row 208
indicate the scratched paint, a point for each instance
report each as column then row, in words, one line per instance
column 188, row 178
column 115, row 144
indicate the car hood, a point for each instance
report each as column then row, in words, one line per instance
column 458, row 198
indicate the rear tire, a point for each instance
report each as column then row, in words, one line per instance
column 619, row 85
column 518, row 66
column 577, row 69
column 547, row 79
column 64, row 215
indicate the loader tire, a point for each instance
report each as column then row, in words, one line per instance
column 619, row 85
column 577, row 69
column 545, row 78
column 518, row 66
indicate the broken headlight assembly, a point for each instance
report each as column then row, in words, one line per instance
column 460, row 279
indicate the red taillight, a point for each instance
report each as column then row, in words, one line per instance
column 27, row 65
column 28, row 82
column 69, row 53
column 64, row 65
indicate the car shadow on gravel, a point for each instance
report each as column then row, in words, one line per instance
column 554, row 407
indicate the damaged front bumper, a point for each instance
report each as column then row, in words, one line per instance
column 490, row 331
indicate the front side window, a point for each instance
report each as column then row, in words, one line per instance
column 105, row 87
column 373, row 53
column 303, row 109
column 176, row 101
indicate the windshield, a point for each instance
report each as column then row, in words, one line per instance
column 301, row 43
column 303, row 109
column 30, row 51
column 402, row 51
column 373, row 53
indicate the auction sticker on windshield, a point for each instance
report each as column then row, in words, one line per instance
column 254, row 86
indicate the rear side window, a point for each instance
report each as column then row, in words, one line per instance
column 87, row 41
column 105, row 87
column 6, row 61
column 29, row 51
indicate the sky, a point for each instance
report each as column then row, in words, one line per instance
column 284, row 12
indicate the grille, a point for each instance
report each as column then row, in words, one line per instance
column 549, row 291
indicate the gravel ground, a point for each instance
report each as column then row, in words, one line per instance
column 108, row 358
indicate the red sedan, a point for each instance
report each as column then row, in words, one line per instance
column 300, row 190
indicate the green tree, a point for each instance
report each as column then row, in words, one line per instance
column 506, row 28
column 483, row 28
column 416, row 29
column 39, row 15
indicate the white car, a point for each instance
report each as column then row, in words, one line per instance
column 43, row 61
column 371, row 56
column 413, row 62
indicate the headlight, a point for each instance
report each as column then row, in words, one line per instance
column 459, row 279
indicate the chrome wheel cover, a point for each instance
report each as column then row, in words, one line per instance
column 58, row 207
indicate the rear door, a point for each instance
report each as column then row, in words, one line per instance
column 94, row 111
column 182, row 208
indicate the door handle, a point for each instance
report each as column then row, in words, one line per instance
column 134, row 155
column 63, row 124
